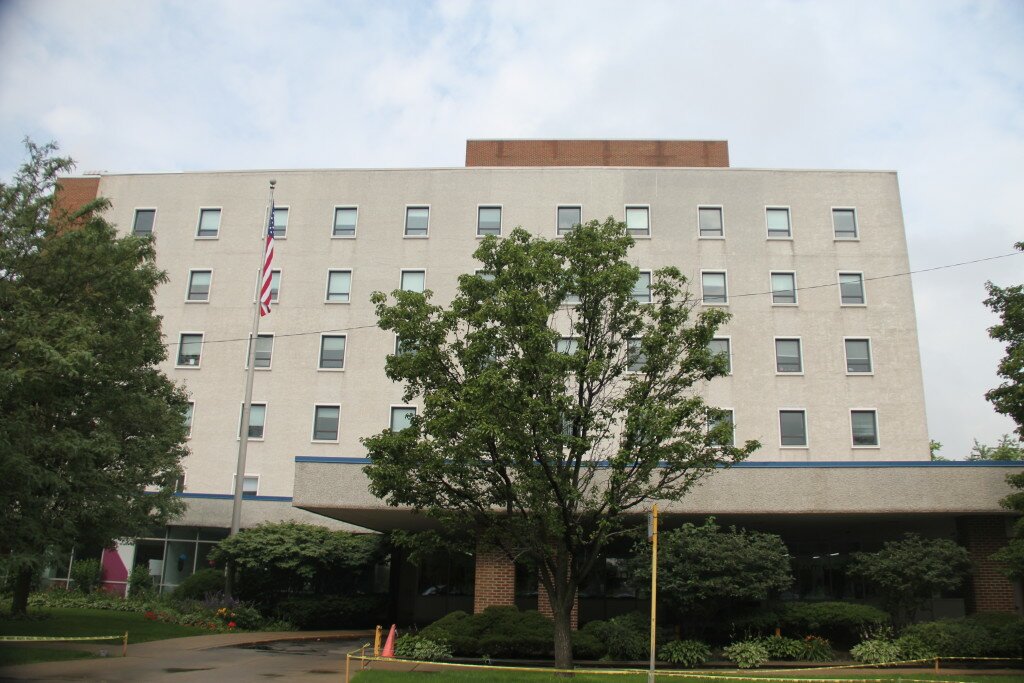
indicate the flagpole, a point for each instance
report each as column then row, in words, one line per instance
column 243, row 437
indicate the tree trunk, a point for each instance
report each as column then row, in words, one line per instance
column 22, row 584
column 563, row 635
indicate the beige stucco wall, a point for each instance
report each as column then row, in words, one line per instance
column 529, row 198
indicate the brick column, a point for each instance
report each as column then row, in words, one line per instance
column 495, row 580
column 989, row 589
column 544, row 607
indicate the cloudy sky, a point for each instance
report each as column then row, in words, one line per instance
column 932, row 89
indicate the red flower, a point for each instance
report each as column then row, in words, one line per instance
column 232, row 624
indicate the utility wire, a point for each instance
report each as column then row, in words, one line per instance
column 733, row 296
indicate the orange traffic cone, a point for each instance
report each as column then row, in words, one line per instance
column 389, row 644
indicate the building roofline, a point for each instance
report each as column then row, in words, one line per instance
column 758, row 464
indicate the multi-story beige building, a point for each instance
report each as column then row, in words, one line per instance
column 825, row 365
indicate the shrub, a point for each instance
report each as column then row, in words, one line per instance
column 140, row 582
column 456, row 629
column 686, row 653
column 746, row 654
column 782, row 648
column 86, row 575
column 200, row 584
column 840, row 622
column 587, row 646
column 421, row 649
column 624, row 637
column 913, row 647
column 1006, row 632
column 816, row 649
column 332, row 611
column 876, row 651
column 951, row 638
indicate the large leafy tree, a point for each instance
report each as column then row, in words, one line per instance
column 1012, row 554
column 92, row 433
column 1008, row 302
column 544, row 424
column 1007, row 448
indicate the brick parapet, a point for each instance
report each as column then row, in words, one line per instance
column 990, row 590
column 623, row 153
column 495, row 579
column 74, row 193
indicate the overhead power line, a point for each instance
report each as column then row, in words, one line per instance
column 732, row 296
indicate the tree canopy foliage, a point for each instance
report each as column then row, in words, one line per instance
column 89, row 423
column 1008, row 302
column 1007, row 448
column 558, row 393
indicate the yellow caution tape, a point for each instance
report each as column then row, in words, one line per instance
column 40, row 639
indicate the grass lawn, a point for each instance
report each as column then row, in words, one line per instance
column 530, row 677
column 63, row 621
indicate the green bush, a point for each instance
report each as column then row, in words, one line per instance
column 782, row 648
column 952, row 638
column 746, row 654
column 421, row 649
column 457, row 630
column 913, row 647
column 314, row 612
column 840, row 622
column 876, row 651
column 816, row 649
column 140, row 582
column 587, row 646
column 1006, row 632
column 625, row 637
column 686, row 653
column 196, row 587
column 86, row 575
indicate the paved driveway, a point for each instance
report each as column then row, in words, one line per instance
column 215, row 658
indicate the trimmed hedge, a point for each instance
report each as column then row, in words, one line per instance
column 313, row 612
column 839, row 622
column 196, row 587
column 496, row 632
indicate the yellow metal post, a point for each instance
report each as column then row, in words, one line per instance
column 654, row 585
column 376, row 641
column 348, row 661
column 124, row 648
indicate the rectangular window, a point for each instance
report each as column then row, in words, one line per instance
column 571, row 299
column 865, row 427
column 417, row 220
column 190, row 412
column 190, row 349
column 844, row 223
column 638, row 221
column 332, row 352
column 793, row 427
column 568, row 218
column 783, row 288
column 858, row 356
column 413, row 280
column 787, row 356
column 250, row 486
column 485, row 275
column 635, row 356
column 567, row 345
column 275, row 285
column 199, row 285
column 401, row 416
column 401, row 347
column 280, row 222
column 257, row 418
column 722, row 427
column 345, row 221
column 714, row 288
column 488, row 221
column 325, row 423
column 179, row 484
column 142, row 226
column 709, row 219
column 722, row 346
column 339, row 286
column 264, row 352
column 642, row 288
column 851, row 289
column 209, row 223
column 778, row 222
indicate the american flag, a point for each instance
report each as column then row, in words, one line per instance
column 268, row 258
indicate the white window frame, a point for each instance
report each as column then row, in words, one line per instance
column 863, row 287
column 241, row 409
column 245, row 363
column 721, row 210
column 732, row 411
column 567, row 205
column 188, row 286
column 775, row 354
column 391, row 410
column 572, row 341
column 280, row 282
column 501, row 220
column 629, row 370
column 287, row 208
column 327, row 285
column 234, row 478
column 871, row 357
column 312, row 433
column 721, row 271
column 191, row 422
column 788, row 219
column 199, row 222
column 856, row 223
column 405, row 222
column 727, row 338
column 177, row 354
column 807, row 428
column 334, row 218
column 403, row 271
column 878, row 429
column 650, row 285
column 771, row 287
column 135, row 217
column 320, row 353
column 650, row 227
column 181, row 483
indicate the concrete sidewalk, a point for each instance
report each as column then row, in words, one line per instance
column 219, row 658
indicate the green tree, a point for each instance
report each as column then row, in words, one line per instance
column 933, row 450
column 1007, row 448
column 1008, row 302
column 293, row 557
column 909, row 572
column 543, row 423
column 92, row 433
column 706, row 570
column 1012, row 555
